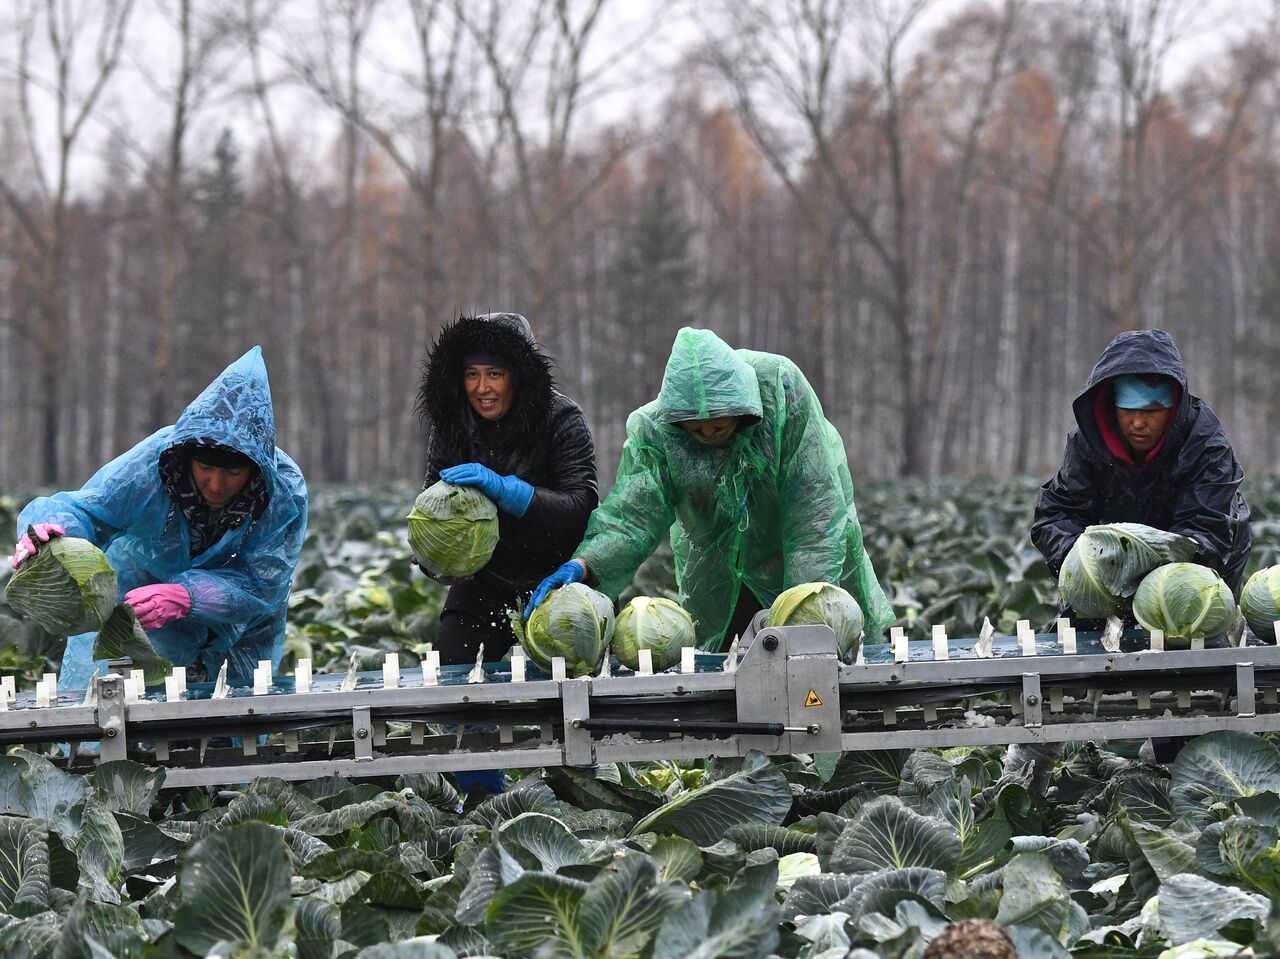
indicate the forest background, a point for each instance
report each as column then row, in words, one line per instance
column 941, row 211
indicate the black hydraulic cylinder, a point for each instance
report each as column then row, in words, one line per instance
column 693, row 726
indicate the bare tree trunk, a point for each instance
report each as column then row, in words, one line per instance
column 1007, row 344
column 171, row 220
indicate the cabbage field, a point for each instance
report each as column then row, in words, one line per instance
column 864, row 856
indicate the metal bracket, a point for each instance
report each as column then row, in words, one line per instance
column 1032, row 704
column 578, row 747
column 111, row 717
column 1246, row 704
column 362, row 734
column 808, row 699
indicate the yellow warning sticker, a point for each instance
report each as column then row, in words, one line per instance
column 813, row 699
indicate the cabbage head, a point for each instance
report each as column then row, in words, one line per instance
column 656, row 624
column 1185, row 600
column 453, row 529
column 1106, row 564
column 1260, row 602
column 574, row 621
column 815, row 604
column 68, row 587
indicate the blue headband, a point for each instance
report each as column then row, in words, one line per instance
column 1132, row 393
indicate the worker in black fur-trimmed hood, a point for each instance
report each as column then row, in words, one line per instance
column 498, row 423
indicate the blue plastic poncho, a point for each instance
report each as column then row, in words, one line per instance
column 771, row 510
column 240, row 584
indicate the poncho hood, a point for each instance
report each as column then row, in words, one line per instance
column 235, row 411
column 707, row 379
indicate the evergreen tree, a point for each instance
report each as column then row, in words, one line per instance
column 652, row 279
column 218, row 287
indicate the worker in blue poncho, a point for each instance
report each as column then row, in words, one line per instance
column 736, row 460
column 203, row 522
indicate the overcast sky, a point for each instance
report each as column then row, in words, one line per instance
column 637, row 60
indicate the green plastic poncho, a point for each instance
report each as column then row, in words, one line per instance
column 771, row 509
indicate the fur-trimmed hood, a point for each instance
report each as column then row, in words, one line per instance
column 442, row 398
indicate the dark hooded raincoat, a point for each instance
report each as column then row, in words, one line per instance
column 543, row 439
column 770, row 510
column 1189, row 484
column 239, row 583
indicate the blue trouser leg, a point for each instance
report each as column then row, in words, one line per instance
column 78, row 663
column 489, row 779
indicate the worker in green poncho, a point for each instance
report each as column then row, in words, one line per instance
column 735, row 458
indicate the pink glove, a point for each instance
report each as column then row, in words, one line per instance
column 159, row 605
column 26, row 549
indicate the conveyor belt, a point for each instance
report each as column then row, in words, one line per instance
column 787, row 693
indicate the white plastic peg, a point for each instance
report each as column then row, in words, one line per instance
column 261, row 678
column 135, row 685
column 557, row 669
column 1026, row 637
column 1068, row 637
column 8, row 689
column 898, row 636
column 646, row 663
column 940, row 650
column 302, row 676
column 42, row 693
column 391, row 671
column 517, row 666
column 1157, row 640
column 1197, row 642
column 431, row 668
column 51, row 680
column 172, row 688
column 1275, row 628
column 731, row 656
column 686, row 659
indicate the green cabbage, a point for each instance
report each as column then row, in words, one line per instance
column 453, row 529
column 813, row 604
column 68, row 587
column 658, row 625
column 1185, row 600
column 575, row 622
column 1106, row 564
column 1260, row 602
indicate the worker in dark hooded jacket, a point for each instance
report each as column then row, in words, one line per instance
column 736, row 460
column 498, row 423
column 1147, row 451
column 203, row 522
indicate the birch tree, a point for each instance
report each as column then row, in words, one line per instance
column 64, row 56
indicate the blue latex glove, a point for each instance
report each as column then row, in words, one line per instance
column 570, row 572
column 511, row 493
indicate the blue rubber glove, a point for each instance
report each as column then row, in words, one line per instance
column 570, row 572
column 511, row 493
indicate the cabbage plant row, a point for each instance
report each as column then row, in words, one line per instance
column 864, row 856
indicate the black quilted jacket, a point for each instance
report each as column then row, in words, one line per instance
column 543, row 439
